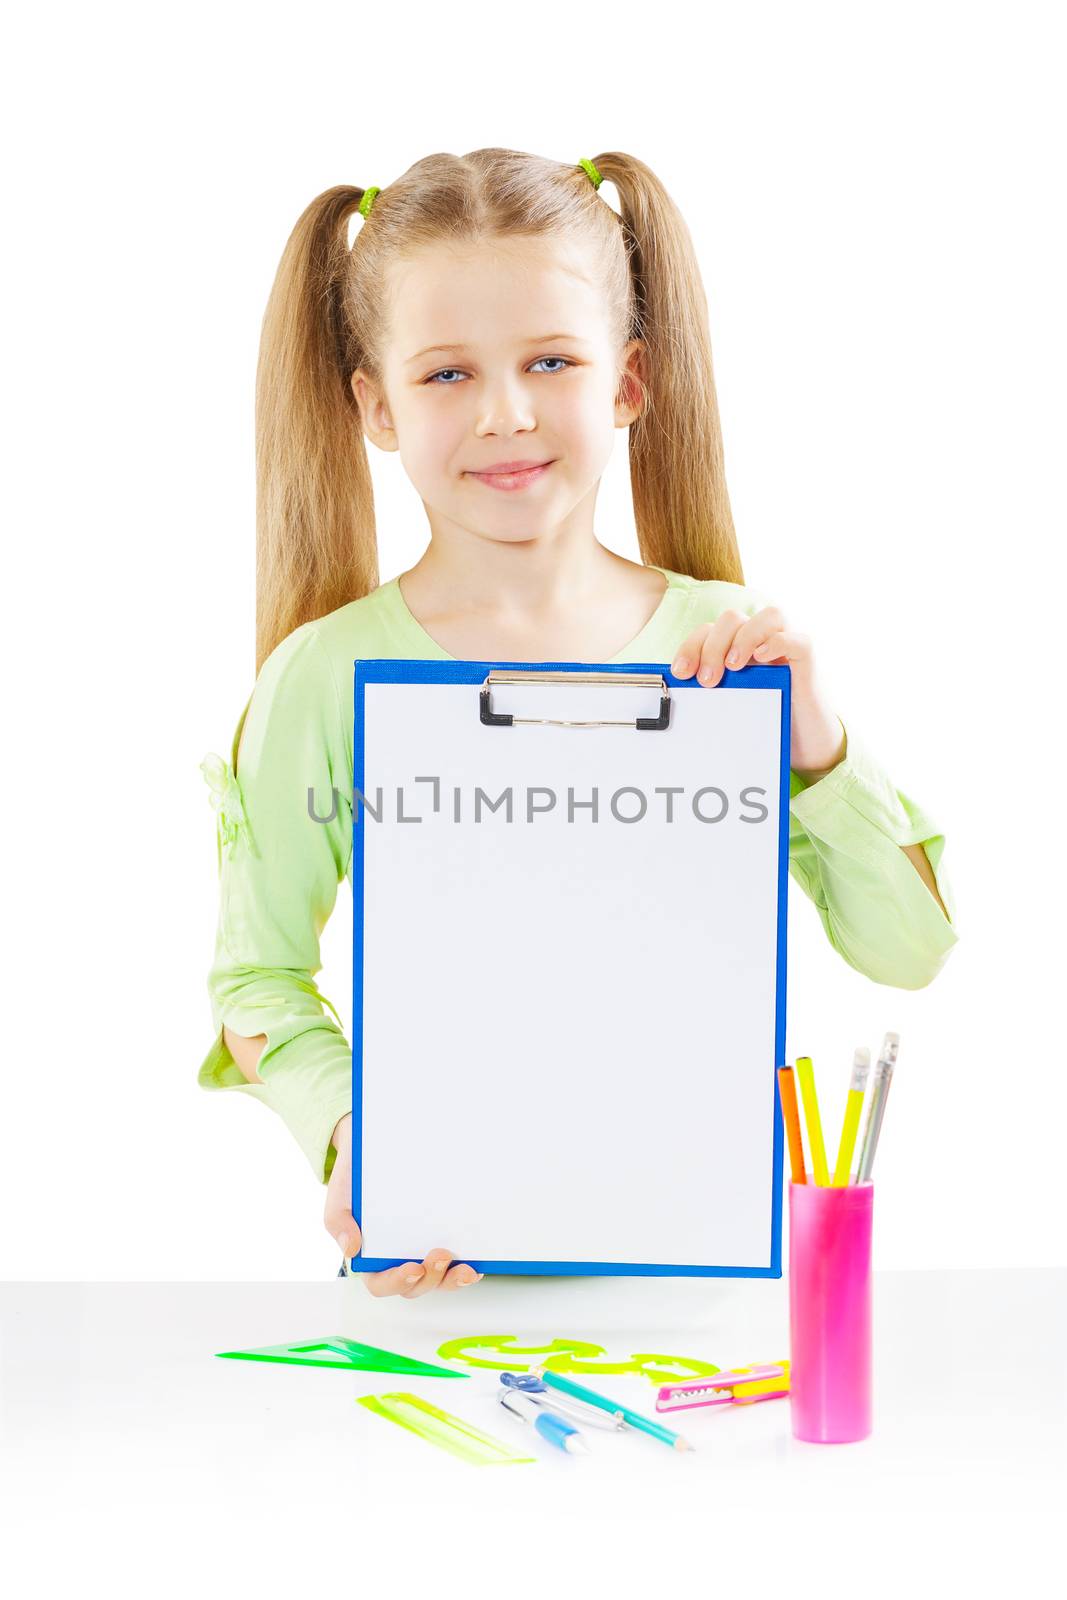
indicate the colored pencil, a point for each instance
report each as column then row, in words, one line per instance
column 633, row 1419
column 791, row 1117
column 861, row 1065
column 811, row 1113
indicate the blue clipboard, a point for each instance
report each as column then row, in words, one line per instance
column 368, row 672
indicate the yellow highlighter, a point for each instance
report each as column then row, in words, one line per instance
column 811, row 1113
column 861, row 1066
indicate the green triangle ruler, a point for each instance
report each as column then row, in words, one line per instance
column 344, row 1353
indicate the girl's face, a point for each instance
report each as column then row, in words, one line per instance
column 500, row 354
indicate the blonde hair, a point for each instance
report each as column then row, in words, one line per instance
column 316, row 546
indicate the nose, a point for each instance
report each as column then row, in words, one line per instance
column 504, row 409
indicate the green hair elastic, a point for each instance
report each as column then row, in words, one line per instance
column 594, row 176
column 368, row 200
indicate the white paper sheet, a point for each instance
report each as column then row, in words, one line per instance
column 566, row 1038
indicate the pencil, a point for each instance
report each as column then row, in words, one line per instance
column 791, row 1117
column 811, row 1112
column 880, row 1081
column 861, row 1065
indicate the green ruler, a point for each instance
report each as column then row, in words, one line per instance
column 451, row 1433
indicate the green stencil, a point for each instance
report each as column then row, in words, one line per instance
column 450, row 1433
column 456, row 1350
column 657, row 1368
column 574, row 1356
column 344, row 1353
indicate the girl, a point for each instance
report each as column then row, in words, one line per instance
column 494, row 321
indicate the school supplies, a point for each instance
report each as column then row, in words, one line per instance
column 574, row 1356
column 787, row 1090
column 876, row 1092
column 632, row 1419
column 340, row 1352
column 441, row 1428
column 526, row 1383
column 742, row 1387
column 811, row 1113
column 830, row 1311
column 549, row 1424
column 564, row 811
column 880, row 1081
column 830, row 1230
column 505, row 1344
column 861, row 1066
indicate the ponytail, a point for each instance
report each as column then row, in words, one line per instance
column 677, row 470
column 316, row 546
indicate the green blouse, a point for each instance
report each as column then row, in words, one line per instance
column 279, row 872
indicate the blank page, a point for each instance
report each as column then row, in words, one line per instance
column 564, row 1029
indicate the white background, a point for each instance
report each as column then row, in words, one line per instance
column 872, row 192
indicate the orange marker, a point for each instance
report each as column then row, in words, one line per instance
column 791, row 1117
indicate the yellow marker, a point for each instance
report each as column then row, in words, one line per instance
column 861, row 1065
column 754, row 1387
column 811, row 1113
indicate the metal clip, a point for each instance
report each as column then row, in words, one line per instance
column 493, row 719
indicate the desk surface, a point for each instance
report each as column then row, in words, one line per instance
column 115, row 1409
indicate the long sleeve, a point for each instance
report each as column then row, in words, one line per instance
column 845, row 834
column 279, row 871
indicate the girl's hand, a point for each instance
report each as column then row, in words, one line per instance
column 410, row 1279
column 817, row 736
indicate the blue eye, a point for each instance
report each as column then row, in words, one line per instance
column 442, row 370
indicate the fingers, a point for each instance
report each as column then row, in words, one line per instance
column 731, row 641
column 785, row 646
column 402, row 1280
column 704, row 651
column 753, row 632
column 459, row 1276
column 343, row 1227
column 441, row 1274
column 687, row 656
column 413, row 1278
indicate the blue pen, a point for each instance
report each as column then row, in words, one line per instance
column 549, row 1424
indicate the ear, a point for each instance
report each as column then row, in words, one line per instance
column 630, row 401
column 373, row 412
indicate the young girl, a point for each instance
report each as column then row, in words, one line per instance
column 494, row 321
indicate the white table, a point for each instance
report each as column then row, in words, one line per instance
column 125, row 1439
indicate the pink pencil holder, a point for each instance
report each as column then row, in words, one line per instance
column 830, row 1311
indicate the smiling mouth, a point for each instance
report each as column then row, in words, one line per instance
column 512, row 480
